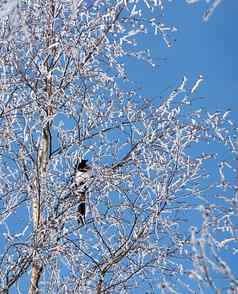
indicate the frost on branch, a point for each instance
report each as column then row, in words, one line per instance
column 159, row 166
column 7, row 7
column 212, row 5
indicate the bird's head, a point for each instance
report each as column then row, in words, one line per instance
column 82, row 164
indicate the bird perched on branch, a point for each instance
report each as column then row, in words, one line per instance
column 82, row 174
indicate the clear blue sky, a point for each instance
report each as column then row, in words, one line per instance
column 209, row 48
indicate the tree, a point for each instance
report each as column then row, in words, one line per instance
column 158, row 219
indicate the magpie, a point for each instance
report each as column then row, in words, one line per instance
column 82, row 174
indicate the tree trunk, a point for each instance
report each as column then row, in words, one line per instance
column 42, row 161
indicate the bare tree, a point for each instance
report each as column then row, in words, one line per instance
column 161, row 204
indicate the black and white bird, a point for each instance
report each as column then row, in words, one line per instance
column 82, row 175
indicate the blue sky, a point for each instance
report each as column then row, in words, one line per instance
column 207, row 48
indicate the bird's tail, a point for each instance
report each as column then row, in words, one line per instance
column 81, row 213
